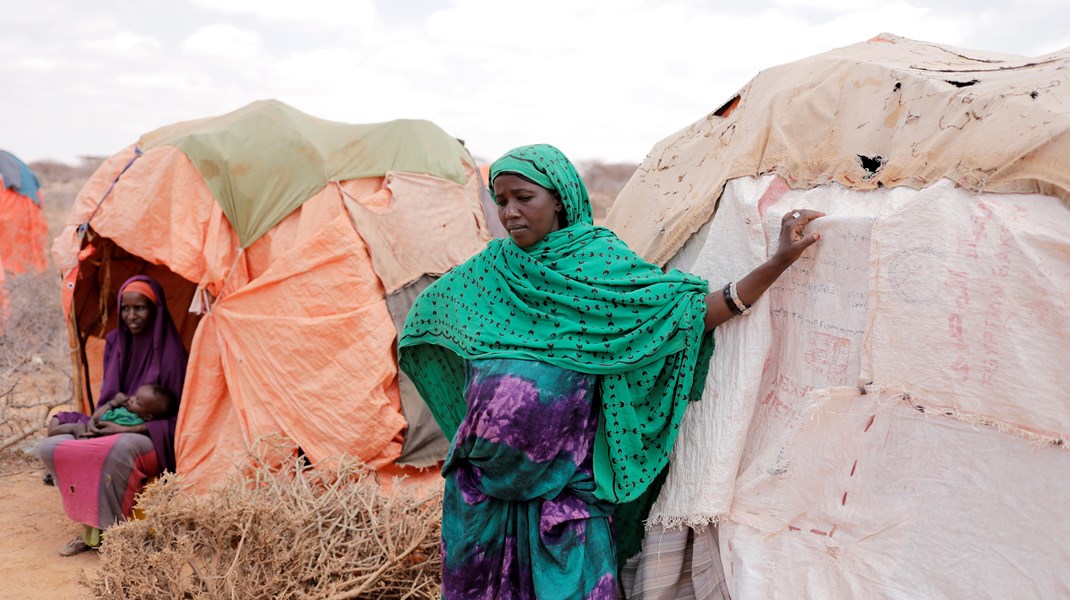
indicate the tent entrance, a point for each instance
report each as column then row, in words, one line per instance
column 92, row 312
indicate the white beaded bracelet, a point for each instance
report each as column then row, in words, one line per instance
column 743, row 308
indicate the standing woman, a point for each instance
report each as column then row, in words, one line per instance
column 559, row 363
column 99, row 475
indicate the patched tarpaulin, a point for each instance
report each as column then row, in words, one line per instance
column 894, row 407
column 296, row 340
column 884, row 113
column 891, row 420
column 291, row 156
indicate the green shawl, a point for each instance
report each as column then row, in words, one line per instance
column 579, row 299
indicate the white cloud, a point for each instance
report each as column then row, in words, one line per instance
column 127, row 41
column 315, row 68
column 360, row 14
column 170, row 81
column 603, row 79
column 120, row 43
column 38, row 64
column 89, row 27
column 829, row 5
column 224, row 41
column 1045, row 47
column 901, row 18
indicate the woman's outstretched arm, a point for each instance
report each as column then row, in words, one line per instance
column 753, row 285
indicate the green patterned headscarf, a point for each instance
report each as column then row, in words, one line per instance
column 545, row 165
column 579, row 299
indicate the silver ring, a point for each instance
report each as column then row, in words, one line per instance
column 796, row 214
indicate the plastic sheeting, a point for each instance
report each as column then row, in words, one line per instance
column 884, row 113
column 296, row 338
column 891, row 420
column 264, row 159
column 23, row 229
column 23, row 233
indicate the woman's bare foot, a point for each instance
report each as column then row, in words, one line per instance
column 75, row 546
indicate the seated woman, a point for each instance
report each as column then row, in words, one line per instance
column 99, row 473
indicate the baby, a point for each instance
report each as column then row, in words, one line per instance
column 151, row 401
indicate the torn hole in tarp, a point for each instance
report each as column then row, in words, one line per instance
column 727, row 108
column 870, row 164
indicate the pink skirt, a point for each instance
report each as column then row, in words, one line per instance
column 98, row 478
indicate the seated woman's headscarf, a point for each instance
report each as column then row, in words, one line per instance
column 157, row 355
column 579, row 299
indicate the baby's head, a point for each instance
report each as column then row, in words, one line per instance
column 151, row 401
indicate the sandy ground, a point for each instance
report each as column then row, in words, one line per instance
column 35, row 526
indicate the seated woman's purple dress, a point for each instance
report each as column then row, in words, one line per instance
column 520, row 519
column 98, row 478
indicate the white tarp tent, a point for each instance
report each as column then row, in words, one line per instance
column 891, row 419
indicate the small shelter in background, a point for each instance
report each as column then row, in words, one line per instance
column 23, row 228
column 892, row 418
column 296, row 244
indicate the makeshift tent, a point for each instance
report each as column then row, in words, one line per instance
column 290, row 239
column 891, row 420
column 23, row 229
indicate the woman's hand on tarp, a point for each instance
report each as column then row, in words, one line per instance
column 755, row 283
column 792, row 240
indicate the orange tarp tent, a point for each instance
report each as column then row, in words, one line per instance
column 284, row 235
column 23, row 229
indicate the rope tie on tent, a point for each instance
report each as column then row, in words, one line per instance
column 85, row 226
column 203, row 302
column 342, row 190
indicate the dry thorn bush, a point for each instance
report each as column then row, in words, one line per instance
column 298, row 531
column 34, row 350
column 34, row 370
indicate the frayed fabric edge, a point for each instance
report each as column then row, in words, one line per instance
column 1038, row 437
column 678, row 522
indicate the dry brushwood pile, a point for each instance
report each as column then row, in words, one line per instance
column 35, row 360
column 292, row 532
column 34, row 366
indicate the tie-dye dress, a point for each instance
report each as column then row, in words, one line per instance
column 519, row 518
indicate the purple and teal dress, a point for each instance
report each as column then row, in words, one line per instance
column 520, row 519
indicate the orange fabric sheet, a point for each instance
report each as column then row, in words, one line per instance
column 436, row 236
column 298, row 341
column 304, row 350
column 23, row 234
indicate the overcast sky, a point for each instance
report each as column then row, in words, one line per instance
column 603, row 80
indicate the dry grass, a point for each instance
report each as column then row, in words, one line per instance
column 60, row 183
column 51, row 172
column 295, row 532
column 34, row 366
column 34, row 358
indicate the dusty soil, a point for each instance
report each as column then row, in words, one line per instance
column 35, row 527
